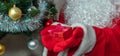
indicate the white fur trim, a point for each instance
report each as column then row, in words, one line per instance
column 55, row 23
column 63, row 53
column 88, row 42
column 45, row 51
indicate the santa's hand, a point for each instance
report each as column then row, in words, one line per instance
column 54, row 34
column 73, row 41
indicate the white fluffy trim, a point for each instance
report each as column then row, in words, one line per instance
column 45, row 50
column 55, row 23
column 88, row 42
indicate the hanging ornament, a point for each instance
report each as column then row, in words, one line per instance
column 49, row 22
column 15, row 13
column 33, row 44
column 2, row 49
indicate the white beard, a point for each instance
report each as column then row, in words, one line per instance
column 91, row 12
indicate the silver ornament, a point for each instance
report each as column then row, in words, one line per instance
column 33, row 44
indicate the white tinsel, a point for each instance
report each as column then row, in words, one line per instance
column 91, row 12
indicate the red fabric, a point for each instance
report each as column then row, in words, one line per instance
column 46, row 40
column 72, row 51
column 51, row 53
column 107, row 41
column 61, row 16
column 71, row 42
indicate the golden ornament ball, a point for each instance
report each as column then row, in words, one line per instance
column 15, row 13
column 2, row 49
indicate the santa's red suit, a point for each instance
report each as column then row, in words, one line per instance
column 79, row 39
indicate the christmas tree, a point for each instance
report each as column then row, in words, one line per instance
column 25, row 17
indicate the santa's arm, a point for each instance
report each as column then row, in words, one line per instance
column 93, row 41
column 89, row 40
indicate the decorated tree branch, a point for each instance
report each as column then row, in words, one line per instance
column 19, row 16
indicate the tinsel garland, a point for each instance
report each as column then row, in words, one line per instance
column 26, row 23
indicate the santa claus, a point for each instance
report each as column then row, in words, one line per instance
column 92, row 28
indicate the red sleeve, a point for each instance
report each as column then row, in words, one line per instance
column 107, row 41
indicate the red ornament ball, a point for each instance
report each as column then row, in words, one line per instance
column 49, row 22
